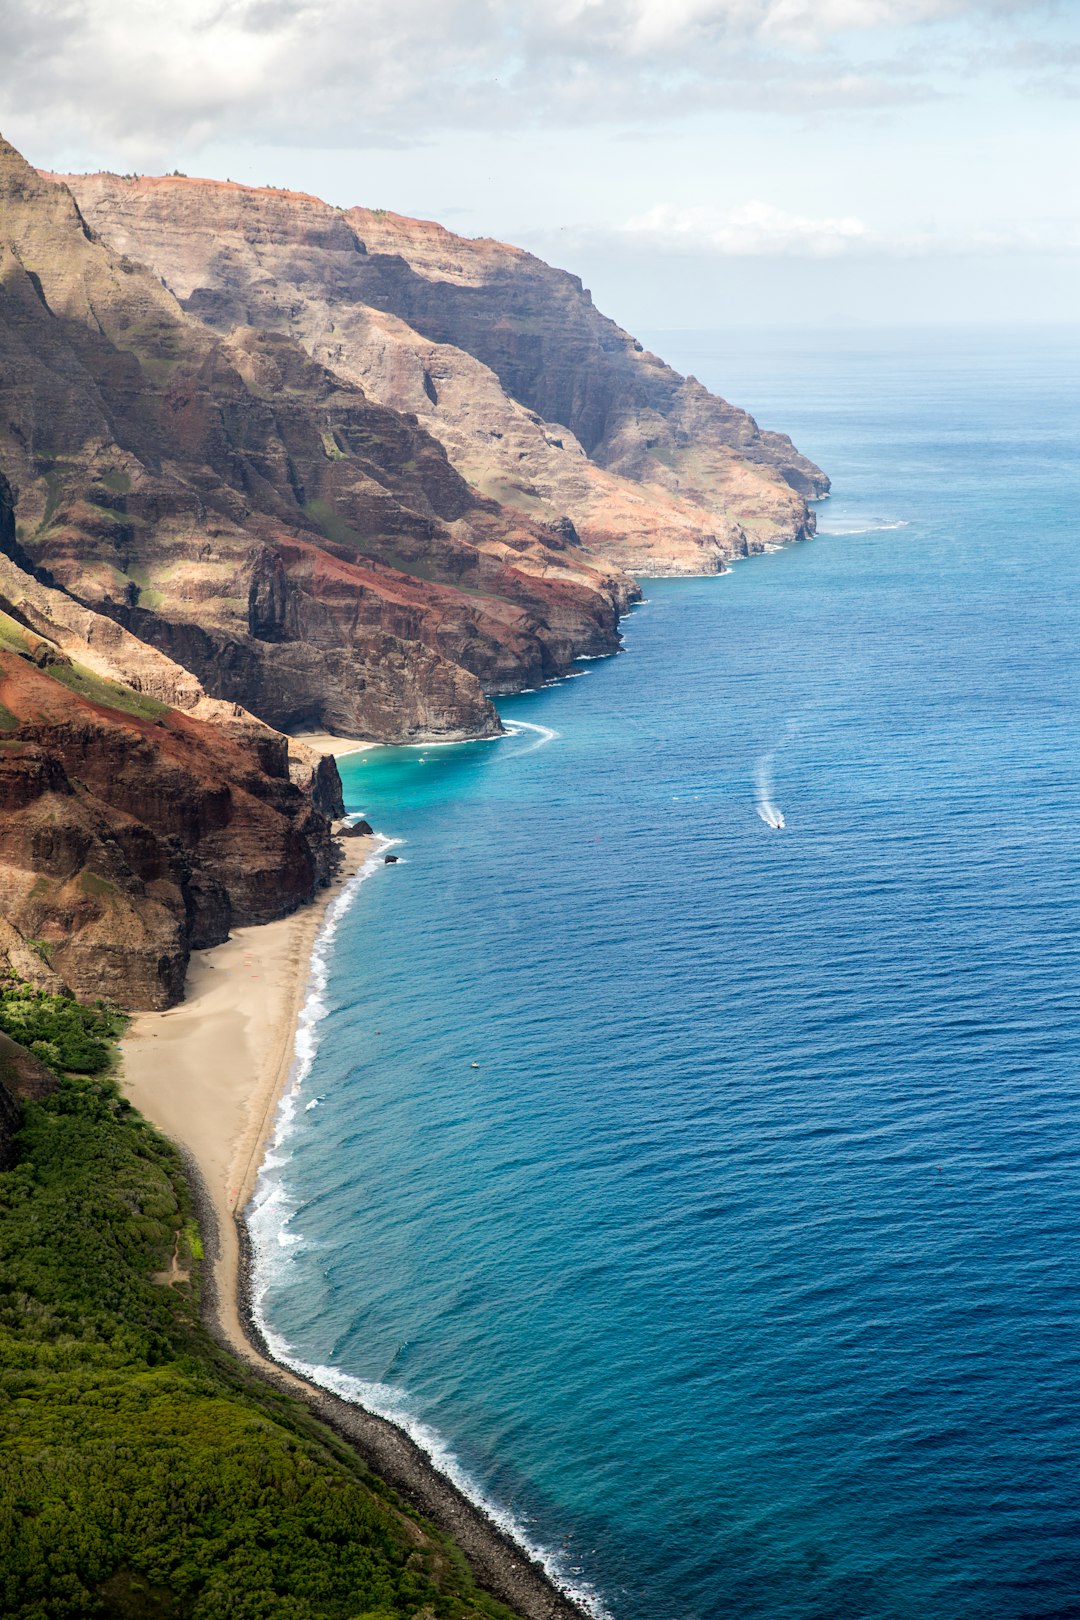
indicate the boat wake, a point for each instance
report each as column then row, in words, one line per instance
column 769, row 812
column 771, row 816
column 544, row 734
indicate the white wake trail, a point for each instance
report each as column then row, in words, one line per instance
column 769, row 812
column 544, row 734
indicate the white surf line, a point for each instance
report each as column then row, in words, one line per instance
column 271, row 1211
column 447, row 742
column 868, row 526
column 392, row 1403
column 268, row 1214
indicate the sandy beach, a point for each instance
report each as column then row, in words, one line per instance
column 323, row 742
column 209, row 1073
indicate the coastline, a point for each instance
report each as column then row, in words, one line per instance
column 325, row 742
column 210, row 1074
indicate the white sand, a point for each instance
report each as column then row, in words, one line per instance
column 210, row 1072
column 323, row 742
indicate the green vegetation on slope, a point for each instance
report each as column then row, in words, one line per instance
column 15, row 637
column 143, row 1471
column 111, row 694
column 64, row 1034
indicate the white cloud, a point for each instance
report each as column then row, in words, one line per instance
column 144, row 74
column 755, row 228
column 762, row 230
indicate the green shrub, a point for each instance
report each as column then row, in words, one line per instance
column 143, row 1471
column 64, row 1034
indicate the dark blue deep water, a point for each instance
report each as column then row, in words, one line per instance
column 745, row 1268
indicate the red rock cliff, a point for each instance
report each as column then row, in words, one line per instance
column 131, row 833
column 334, row 475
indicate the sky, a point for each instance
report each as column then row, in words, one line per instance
column 700, row 163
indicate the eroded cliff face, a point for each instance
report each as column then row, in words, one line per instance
column 212, row 534
column 303, row 551
column 131, row 833
column 339, row 483
column 139, row 818
column 540, row 401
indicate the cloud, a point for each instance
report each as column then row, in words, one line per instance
column 145, row 74
column 755, row 228
column 762, row 230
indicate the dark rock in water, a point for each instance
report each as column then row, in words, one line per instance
column 390, row 860
column 357, row 829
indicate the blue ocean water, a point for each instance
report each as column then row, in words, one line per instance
column 744, row 1269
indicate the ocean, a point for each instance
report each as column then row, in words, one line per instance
column 707, row 1192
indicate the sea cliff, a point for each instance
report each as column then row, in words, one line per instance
column 539, row 400
column 269, row 466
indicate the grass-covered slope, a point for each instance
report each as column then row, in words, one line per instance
column 143, row 1471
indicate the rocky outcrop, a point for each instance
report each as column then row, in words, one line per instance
column 316, row 774
column 130, row 835
column 8, row 542
column 25, row 962
column 357, row 829
column 540, row 401
column 22, row 1076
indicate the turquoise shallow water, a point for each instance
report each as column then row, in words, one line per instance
column 743, row 1271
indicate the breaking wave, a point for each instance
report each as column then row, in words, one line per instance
column 842, row 530
column 389, row 1402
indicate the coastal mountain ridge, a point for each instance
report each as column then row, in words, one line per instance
column 266, row 467
column 270, row 467
column 305, row 552
column 541, row 401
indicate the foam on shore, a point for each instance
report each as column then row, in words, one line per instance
column 268, row 1219
column 389, row 1402
column 267, row 1216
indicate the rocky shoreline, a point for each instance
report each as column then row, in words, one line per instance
column 500, row 1565
column 226, row 1053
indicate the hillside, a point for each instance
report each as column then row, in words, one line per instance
column 303, row 551
column 540, row 400
column 144, row 1471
